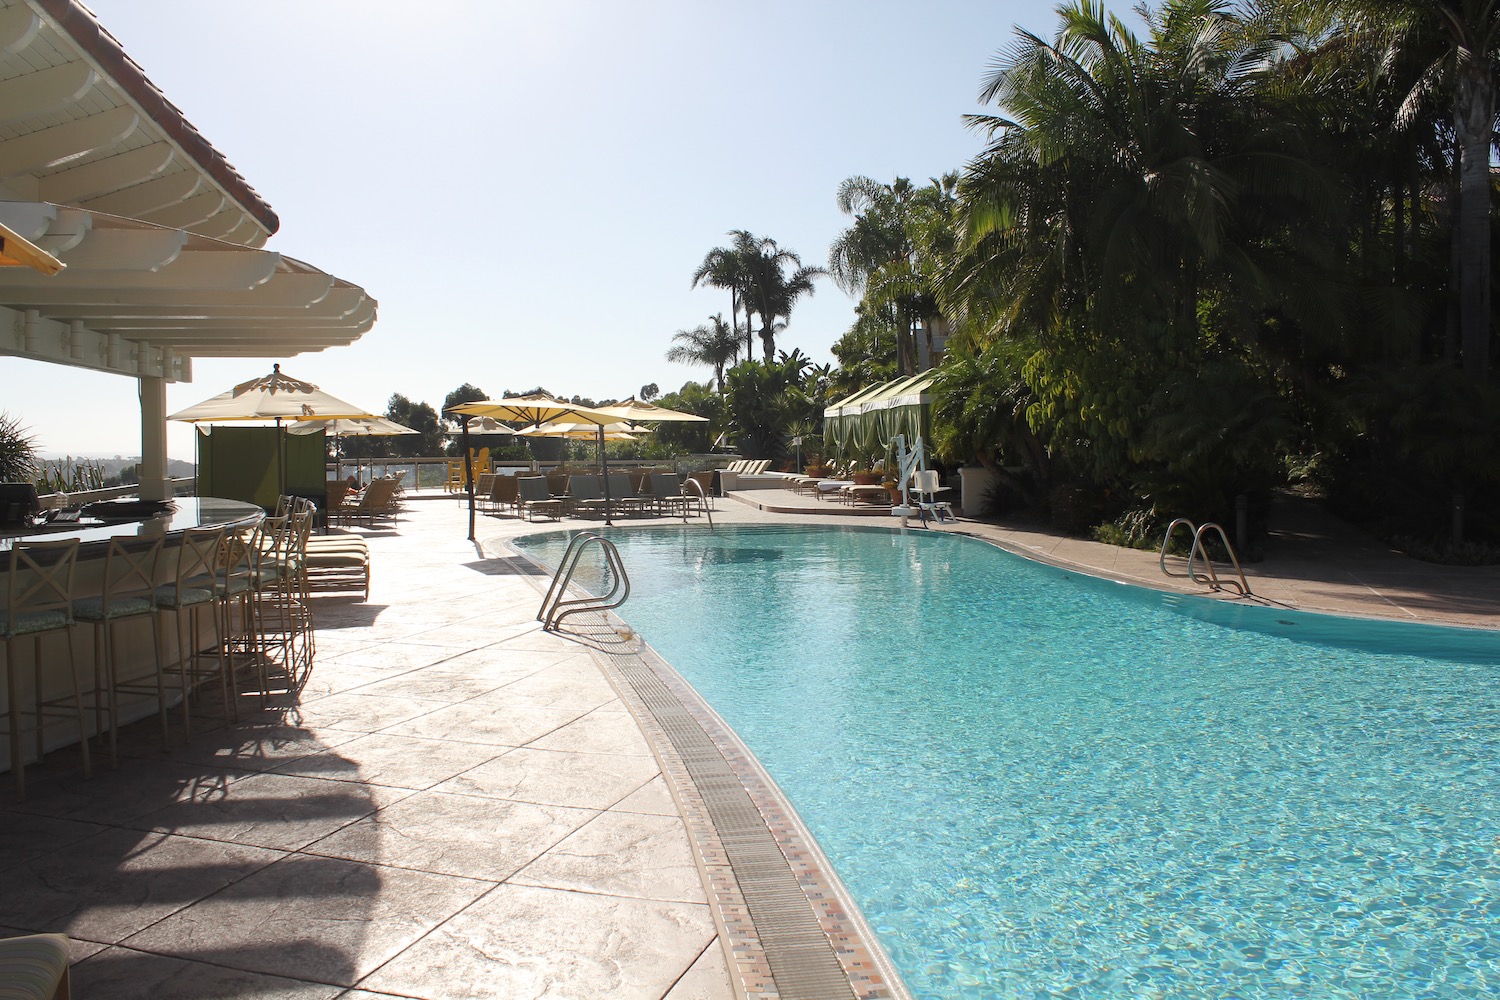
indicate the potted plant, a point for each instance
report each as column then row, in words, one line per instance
column 863, row 475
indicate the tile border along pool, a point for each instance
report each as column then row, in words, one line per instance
column 787, row 925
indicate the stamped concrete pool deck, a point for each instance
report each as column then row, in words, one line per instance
column 462, row 805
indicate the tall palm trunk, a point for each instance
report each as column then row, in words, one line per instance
column 1474, row 123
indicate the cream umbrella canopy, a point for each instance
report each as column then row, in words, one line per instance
column 529, row 411
column 635, row 411
column 352, row 427
column 580, row 431
column 275, row 397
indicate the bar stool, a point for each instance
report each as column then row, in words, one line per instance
column 128, row 592
column 271, row 612
column 39, row 600
column 234, row 587
column 191, row 591
column 34, row 967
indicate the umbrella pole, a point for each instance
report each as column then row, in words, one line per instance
column 280, row 461
column 463, row 423
column 604, row 474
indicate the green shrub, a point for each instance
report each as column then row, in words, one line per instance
column 17, row 451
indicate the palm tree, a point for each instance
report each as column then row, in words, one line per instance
column 715, row 344
column 726, row 267
column 770, row 290
column 1465, row 62
column 891, row 254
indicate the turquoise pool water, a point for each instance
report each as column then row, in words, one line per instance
column 1039, row 784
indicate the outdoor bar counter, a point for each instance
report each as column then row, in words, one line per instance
column 134, row 646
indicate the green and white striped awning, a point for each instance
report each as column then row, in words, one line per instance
column 866, row 422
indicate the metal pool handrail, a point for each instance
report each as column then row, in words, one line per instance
column 1211, row 579
column 554, row 609
column 700, row 496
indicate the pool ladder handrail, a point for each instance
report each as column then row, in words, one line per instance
column 1211, row 578
column 554, row 609
column 697, row 493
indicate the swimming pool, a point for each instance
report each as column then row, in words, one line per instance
column 1036, row 783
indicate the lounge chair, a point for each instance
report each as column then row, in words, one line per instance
column 624, row 496
column 378, row 502
column 337, row 562
column 503, row 493
column 585, row 495
column 482, row 489
column 533, row 498
column 666, row 492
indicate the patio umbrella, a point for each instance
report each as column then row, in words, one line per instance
column 528, row 411
column 578, row 431
column 275, row 397
column 635, row 411
column 351, row 427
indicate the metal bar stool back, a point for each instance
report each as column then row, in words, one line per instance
column 39, row 600
column 127, row 592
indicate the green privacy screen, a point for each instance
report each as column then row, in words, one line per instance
column 239, row 463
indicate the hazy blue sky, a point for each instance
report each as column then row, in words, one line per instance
column 527, row 187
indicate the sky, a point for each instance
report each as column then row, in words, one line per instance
column 526, row 186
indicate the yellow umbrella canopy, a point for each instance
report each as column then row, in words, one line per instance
column 534, row 409
column 530, row 411
column 17, row 251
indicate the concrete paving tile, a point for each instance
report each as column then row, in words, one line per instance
column 396, row 761
column 259, row 747
column 474, row 636
column 279, row 811
column 551, row 777
column 506, row 661
column 111, row 885
column 439, row 684
column 119, row 797
column 24, row 836
column 622, row 854
column 473, row 723
column 318, row 919
column 533, row 638
column 559, row 686
column 78, row 949
column 544, row 944
column 708, row 979
column 126, row 974
column 597, row 732
column 460, row 835
column 325, row 681
column 365, row 713
column 386, row 656
column 653, row 798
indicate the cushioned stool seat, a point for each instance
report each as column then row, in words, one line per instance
column 34, row 967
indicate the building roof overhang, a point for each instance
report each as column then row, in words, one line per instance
column 160, row 236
